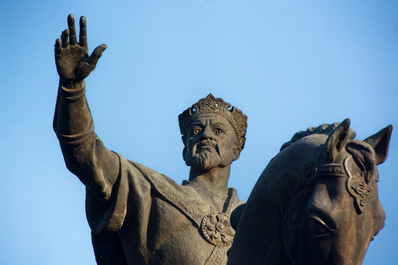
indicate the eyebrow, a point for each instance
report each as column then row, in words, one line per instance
column 196, row 123
column 200, row 123
column 218, row 124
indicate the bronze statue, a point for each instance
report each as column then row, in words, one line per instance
column 316, row 202
column 137, row 215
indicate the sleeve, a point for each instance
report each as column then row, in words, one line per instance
column 121, row 223
column 84, row 153
column 118, row 195
column 131, row 197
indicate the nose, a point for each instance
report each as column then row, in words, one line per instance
column 208, row 133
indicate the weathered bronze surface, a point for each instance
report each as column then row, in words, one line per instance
column 137, row 215
column 315, row 203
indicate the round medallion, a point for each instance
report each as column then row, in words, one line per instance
column 217, row 229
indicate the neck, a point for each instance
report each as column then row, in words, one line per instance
column 215, row 179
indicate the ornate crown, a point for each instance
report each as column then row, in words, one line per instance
column 210, row 104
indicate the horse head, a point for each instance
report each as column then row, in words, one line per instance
column 336, row 212
column 316, row 202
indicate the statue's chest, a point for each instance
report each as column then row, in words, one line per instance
column 184, row 229
column 174, row 238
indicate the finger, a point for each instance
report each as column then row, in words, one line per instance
column 97, row 53
column 58, row 46
column 72, row 29
column 64, row 37
column 83, row 32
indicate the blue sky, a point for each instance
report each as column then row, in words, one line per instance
column 287, row 65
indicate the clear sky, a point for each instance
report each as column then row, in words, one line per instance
column 287, row 65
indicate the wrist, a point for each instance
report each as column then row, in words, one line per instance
column 70, row 83
column 72, row 91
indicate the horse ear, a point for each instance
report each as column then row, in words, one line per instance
column 380, row 142
column 337, row 140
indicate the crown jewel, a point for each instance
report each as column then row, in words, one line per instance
column 210, row 104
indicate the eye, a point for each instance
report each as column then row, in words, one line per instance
column 218, row 131
column 318, row 228
column 196, row 130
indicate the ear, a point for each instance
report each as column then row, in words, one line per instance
column 183, row 152
column 337, row 140
column 183, row 138
column 236, row 153
column 380, row 142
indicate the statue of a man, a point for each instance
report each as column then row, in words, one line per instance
column 137, row 215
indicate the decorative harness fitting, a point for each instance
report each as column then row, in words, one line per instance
column 357, row 187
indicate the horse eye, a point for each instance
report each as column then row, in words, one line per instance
column 318, row 228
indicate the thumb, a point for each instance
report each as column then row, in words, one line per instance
column 96, row 54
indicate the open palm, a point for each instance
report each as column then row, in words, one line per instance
column 71, row 57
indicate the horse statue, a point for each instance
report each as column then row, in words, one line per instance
column 316, row 202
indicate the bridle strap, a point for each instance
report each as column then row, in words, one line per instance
column 330, row 170
column 326, row 170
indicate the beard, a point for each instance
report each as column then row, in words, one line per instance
column 203, row 157
column 206, row 159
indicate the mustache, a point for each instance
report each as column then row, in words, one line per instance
column 207, row 143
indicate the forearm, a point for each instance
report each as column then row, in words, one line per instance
column 84, row 153
column 73, row 123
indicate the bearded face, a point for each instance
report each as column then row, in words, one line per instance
column 211, row 142
column 205, row 154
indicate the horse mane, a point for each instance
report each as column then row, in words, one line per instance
column 321, row 129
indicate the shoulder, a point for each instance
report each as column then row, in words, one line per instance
column 151, row 175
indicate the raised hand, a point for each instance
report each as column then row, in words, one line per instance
column 71, row 57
